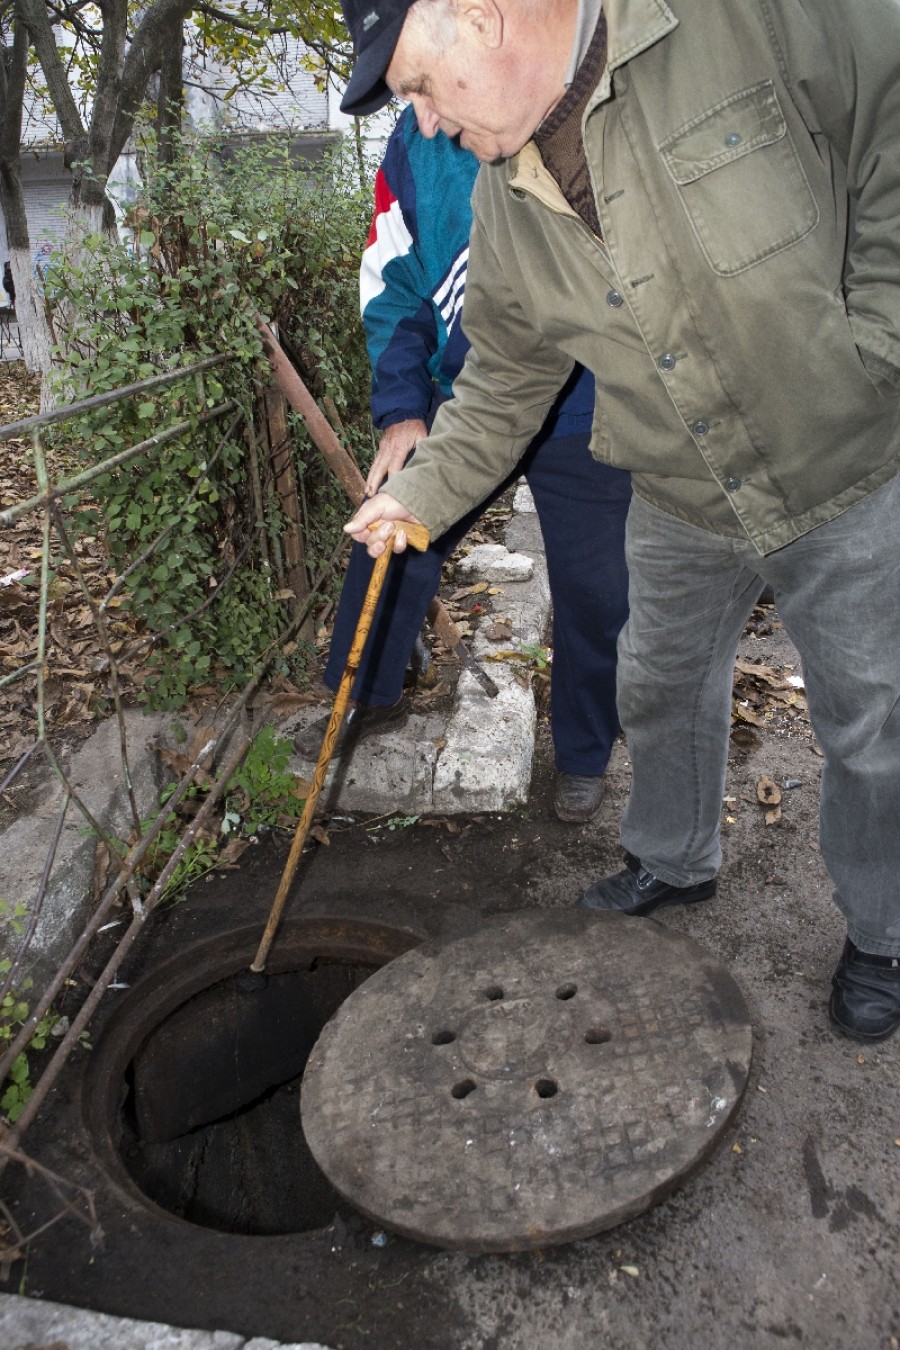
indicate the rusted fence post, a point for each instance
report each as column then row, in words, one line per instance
column 284, row 473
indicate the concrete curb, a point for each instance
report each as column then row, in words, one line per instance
column 27, row 1324
column 96, row 774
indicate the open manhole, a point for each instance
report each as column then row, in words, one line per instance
column 193, row 1090
column 539, row 1081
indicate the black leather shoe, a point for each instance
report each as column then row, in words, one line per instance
column 579, row 797
column 636, row 891
column 359, row 721
column 865, row 995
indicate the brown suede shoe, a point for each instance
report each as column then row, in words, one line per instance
column 579, row 797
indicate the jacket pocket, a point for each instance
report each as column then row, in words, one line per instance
column 741, row 181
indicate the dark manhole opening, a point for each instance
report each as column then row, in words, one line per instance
column 210, row 1126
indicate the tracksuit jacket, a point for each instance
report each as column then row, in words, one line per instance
column 417, row 345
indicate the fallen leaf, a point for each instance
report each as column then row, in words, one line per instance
column 478, row 588
column 630, row 1270
column 747, row 715
column 772, row 817
column 768, row 792
column 232, row 851
column 319, row 834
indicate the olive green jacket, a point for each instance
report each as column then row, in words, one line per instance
column 742, row 311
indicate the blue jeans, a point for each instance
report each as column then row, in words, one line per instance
column 582, row 506
column 837, row 590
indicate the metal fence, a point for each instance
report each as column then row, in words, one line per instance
column 29, row 604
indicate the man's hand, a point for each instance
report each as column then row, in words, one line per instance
column 393, row 450
column 374, row 509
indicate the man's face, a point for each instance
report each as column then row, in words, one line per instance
column 465, row 91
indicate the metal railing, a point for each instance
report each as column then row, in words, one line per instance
column 46, row 514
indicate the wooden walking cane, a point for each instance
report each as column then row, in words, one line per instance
column 417, row 536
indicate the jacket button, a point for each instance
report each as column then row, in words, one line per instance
column 733, row 138
column 614, row 299
column 519, row 194
column 700, row 428
column 732, row 484
column 666, row 361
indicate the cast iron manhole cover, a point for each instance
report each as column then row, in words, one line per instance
column 539, row 1081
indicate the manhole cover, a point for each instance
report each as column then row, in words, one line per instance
column 544, row 1079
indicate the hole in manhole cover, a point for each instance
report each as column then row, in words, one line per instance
column 202, row 1100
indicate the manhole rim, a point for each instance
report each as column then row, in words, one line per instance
column 172, row 983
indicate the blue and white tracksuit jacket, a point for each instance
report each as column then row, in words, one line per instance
column 412, row 285
column 413, row 280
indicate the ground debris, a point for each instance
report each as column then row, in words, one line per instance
column 763, row 693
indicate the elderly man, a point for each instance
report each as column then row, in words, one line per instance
column 700, row 203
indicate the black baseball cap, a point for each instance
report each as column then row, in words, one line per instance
column 375, row 28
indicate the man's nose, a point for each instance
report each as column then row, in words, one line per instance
column 427, row 118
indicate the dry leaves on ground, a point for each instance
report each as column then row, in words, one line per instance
column 76, row 669
column 762, row 693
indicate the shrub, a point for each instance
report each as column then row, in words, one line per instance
column 213, row 242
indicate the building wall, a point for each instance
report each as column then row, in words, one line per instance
column 45, row 186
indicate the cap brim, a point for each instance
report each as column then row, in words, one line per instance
column 366, row 90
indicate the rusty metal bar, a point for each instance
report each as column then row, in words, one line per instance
column 140, row 849
column 322, row 435
column 67, row 410
column 109, row 972
column 124, row 457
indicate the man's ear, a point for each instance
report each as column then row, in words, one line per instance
column 483, row 19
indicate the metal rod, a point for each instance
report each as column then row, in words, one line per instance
column 28, row 424
column 143, row 447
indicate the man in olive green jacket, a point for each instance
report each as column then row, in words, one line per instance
column 701, row 203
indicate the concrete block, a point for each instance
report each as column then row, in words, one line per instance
column 485, row 764
column 97, row 775
column 261, row 1343
column 523, row 535
column 391, row 770
column 523, row 502
column 31, row 1324
column 494, row 563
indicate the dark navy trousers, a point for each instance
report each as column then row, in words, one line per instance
column 582, row 506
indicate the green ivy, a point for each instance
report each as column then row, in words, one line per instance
column 214, row 240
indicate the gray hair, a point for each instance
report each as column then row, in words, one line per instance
column 436, row 21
